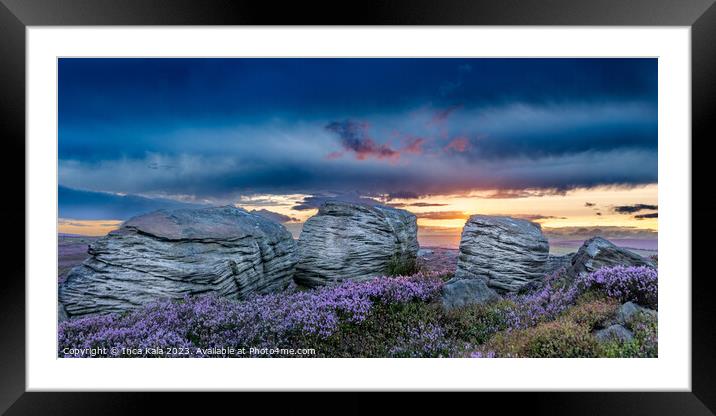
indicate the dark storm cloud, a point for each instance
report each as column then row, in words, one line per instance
column 225, row 177
column 630, row 209
column 415, row 204
column 86, row 205
column 120, row 90
column 403, row 195
column 425, row 204
column 532, row 217
column 354, row 138
column 523, row 193
column 536, row 217
column 555, row 130
column 583, row 233
column 644, row 216
column 315, row 201
column 218, row 129
column 441, row 116
column 273, row 216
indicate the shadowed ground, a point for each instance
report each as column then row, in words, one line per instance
column 71, row 251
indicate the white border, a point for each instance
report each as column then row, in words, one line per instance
column 671, row 371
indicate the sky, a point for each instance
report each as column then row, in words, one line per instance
column 568, row 143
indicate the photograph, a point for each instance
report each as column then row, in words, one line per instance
column 357, row 207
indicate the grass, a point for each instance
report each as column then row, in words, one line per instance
column 570, row 334
column 390, row 330
column 403, row 265
column 644, row 344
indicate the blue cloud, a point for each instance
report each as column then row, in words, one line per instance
column 214, row 129
column 86, row 205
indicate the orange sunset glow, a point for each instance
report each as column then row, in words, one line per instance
column 441, row 217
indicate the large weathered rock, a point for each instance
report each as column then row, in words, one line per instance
column 172, row 253
column 598, row 252
column 462, row 292
column 351, row 241
column 507, row 252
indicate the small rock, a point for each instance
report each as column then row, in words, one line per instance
column 614, row 332
column 462, row 292
column 628, row 312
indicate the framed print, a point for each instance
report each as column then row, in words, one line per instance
column 452, row 198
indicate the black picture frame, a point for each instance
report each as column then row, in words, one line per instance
column 16, row 15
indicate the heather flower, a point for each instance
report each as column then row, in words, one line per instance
column 261, row 321
column 623, row 283
column 386, row 316
column 424, row 340
column 480, row 354
column 644, row 344
column 544, row 304
column 636, row 284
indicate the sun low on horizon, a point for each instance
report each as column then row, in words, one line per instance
column 570, row 144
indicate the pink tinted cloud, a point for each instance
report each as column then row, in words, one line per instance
column 414, row 145
column 369, row 148
column 355, row 139
column 458, row 144
column 334, row 155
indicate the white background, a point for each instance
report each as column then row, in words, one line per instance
column 671, row 371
